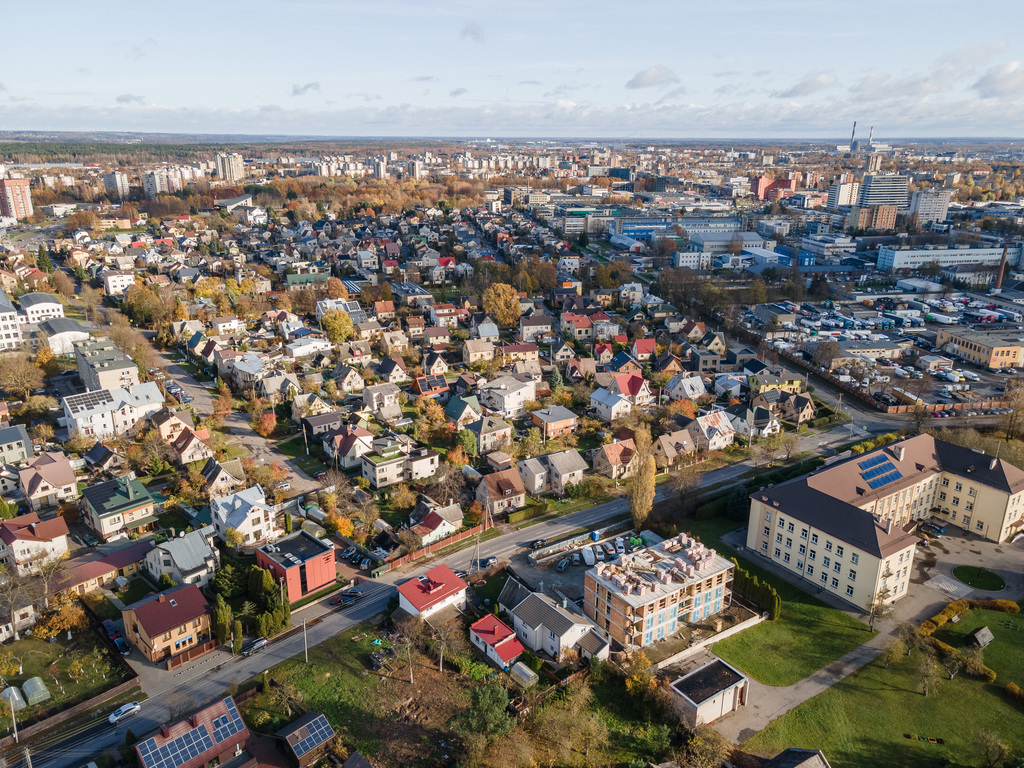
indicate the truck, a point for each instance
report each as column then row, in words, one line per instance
column 938, row 317
column 588, row 555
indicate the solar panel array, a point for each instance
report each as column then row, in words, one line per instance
column 318, row 732
column 872, row 462
column 892, row 477
column 194, row 743
column 878, row 471
column 88, row 401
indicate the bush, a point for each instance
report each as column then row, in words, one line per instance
column 1014, row 692
column 1006, row 606
column 715, row 508
column 956, row 608
column 944, row 648
column 927, row 628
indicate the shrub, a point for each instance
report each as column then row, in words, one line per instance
column 944, row 648
column 1014, row 692
column 715, row 508
column 1006, row 606
column 927, row 628
column 989, row 675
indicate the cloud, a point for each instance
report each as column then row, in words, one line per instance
column 653, row 76
column 142, row 49
column 84, row 71
column 727, row 73
column 762, row 73
column 424, row 79
column 872, row 87
column 807, row 86
column 672, row 95
column 1003, row 81
column 457, row 92
column 972, row 55
column 2, row 87
column 302, row 90
column 472, row 32
column 130, row 98
column 364, row 96
column 529, row 82
column 563, row 90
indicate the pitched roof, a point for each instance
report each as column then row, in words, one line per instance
column 191, row 551
column 506, row 482
column 620, row 453
column 53, row 468
column 196, row 741
column 117, row 495
column 567, row 461
column 164, row 611
column 554, row 414
column 499, row 636
column 540, row 610
column 435, row 586
column 630, row 384
column 30, row 528
column 645, row 346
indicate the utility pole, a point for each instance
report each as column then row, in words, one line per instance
column 14, row 720
column 305, row 642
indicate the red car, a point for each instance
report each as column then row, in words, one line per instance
column 111, row 629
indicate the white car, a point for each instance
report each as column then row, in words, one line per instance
column 124, row 712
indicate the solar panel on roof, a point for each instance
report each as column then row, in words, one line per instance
column 878, row 471
column 318, row 732
column 872, row 462
column 886, row 479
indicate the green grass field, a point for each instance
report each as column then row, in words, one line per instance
column 979, row 578
column 138, row 588
column 863, row 719
column 808, row 636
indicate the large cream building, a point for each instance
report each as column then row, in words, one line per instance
column 847, row 528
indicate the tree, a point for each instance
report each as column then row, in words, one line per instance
column 445, row 634
column 1013, row 420
column 706, row 748
column 501, row 302
column 166, row 582
column 42, row 432
column 826, row 352
column 788, row 443
column 18, row 375
column 757, row 293
column 683, row 480
column 928, row 669
column 63, row 284
column 880, row 608
column 640, row 486
column 338, row 326
column 266, row 424
column 7, row 509
column 65, row 614
column 892, row 652
column 486, row 714
column 237, row 635
column 43, row 260
column 402, row 498
column 467, row 441
column 992, row 748
column 16, row 592
column 234, row 538
column 336, row 289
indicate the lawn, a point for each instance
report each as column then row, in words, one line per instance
column 138, row 588
column 100, row 605
column 979, row 578
column 73, row 671
column 488, row 592
column 863, row 720
column 293, row 448
column 175, row 520
column 808, row 636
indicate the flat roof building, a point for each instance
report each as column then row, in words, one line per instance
column 303, row 562
column 710, row 692
column 991, row 349
column 102, row 365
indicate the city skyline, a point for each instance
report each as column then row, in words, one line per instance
column 784, row 69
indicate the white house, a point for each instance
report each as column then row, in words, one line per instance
column 544, row 626
column 496, row 640
column 246, row 512
column 116, row 282
column 104, row 413
column 25, row 541
column 437, row 589
column 36, row 307
column 609, row 406
column 507, row 396
column 189, row 558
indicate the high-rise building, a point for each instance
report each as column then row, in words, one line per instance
column 842, row 193
column 880, row 217
column 380, row 169
column 15, row 198
column 230, row 167
column 153, row 183
column 930, row 205
column 874, row 163
column 883, row 189
column 116, row 183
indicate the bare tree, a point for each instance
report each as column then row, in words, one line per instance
column 444, row 634
column 880, row 608
column 410, row 631
column 178, row 704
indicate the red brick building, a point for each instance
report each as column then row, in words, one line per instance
column 304, row 562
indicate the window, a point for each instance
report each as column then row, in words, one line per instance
column 767, row 517
column 854, row 558
column 814, row 538
column 967, row 519
column 764, row 545
column 803, row 549
column 789, row 543
column 790, row 528
column 839, row 551
column 767, row 531
column 979, row 525
column 970, row 492
column 958, row 487
column 838, row 567
column 835, row 583
column 810, row 570
column 826, row 562
column 853, row 575
column 824, row 577
column 800, row 564
column 942, row 497
column 778, row 537
column 803, row 533
column 786, row 557
column 945, row 482
column 849, row 590
column 956, row 501
column 812, row 554
column 778, row 552
column 782, row 523
column 969, row 506
column 828, row 546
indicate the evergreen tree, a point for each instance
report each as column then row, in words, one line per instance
column 43, row 261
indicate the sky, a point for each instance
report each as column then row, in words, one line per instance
column 481, row 69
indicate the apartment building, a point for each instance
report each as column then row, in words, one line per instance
column 15, row 199
column 168, row 623
column 10, row 327
column 302, row 562
column 394, row 460
column 930, row 205
column 847, row 528
column 105, row 413
column 883, row 189
column 230, row 167
column 115, row 508
column 651, row 593
column 116, row 282
column 991, row 349
column 102, row 365
column 842, row 194
column 37, row 307
column 116, row 183
column 891, row 258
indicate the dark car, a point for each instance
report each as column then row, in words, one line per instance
column 122, row 646
column 354, row 592
column 346, row 554
column 254, row 646
column 111, row 629
column 562, row 565
column 538, row 543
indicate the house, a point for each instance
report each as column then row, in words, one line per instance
column 668, row 363
column 347, row 444
column 753, row 423
column 486, row 331
column 476, row 351
column 609, row 406
column 798, row 409
column 415, row 326
column 115, row 508
column 501, row 491
column 395, row 342
column 384, row 310
column 686, row 386
column 561, row 352
column 507, row 396
column 544, row 626
column 188, row 558
column 190, row 446
column 490, row 433
column 247, row 513
column 434, row 364
column 729, row 385
column 48, row 480
column 633, row 387
column 213, row 735
column 437, row 522
column 380, row 396
column 37, row 307
column 170, row 424
column 394, row 459
column 26, row 542
column 643, row 349
column 624, row 362
column 315, row 427
column 436, row 336
column 603, row 353
column 228, row 325
column 534, row 328
column 347, row 379
column 552, row 473
column 168, row 623
column 616, row 460
column 306, row 405
column 15, row 445
column 301, row 561
column 580, row 369
column 577, row 327
column 107, row 413
column 511, row 353
column 391, row 370
column 445, row 314
column 437, row 589
column 433, row 386
column 461, row 411
column 496, row 640
column 308, row 738
column 555, row 421
column 711, row 432
column 103, row 459
column 223, row 477
column 671, row 448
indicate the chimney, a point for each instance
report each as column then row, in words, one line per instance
column 194, row 721
column 898, row 451
column 888, row 525
column 161, row 598
column 992, row 463
column 164, row 731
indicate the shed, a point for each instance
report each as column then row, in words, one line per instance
column 35, row 690
column 313, row 529
column 307, row 738
column 13, row 697
column 523, row 675
column 710, row 692
column 980, row 637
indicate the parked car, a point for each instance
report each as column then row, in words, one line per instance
column 343, row 602
column 490, row 561
column 111, row 629
column 90, row 540
column 254, row 646
column 346, row 554
column 364, row 564
column 562, row 565
column 284, row 486
column 577, row 559
column 354, row 592
column 124, row 712
column 122, row 646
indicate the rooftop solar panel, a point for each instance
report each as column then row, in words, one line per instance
column 886, row 479
column 872, row 462
column 878, row 471
column 317, row 732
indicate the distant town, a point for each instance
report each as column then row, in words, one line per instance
column 511, row 453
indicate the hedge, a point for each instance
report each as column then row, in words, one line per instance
column 1006, row 606
column 956, row 608
column 527, row 513
column 762, row 594
column 1014, row 692
column 715, row 508
column 927, row 628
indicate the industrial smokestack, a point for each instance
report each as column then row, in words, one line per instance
column 1002, row 268
column 871, row 135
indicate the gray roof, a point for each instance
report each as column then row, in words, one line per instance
column 591, row 643
column 554, row 413
column 233, row 509
column 567, row 461
column 539, row 610
column 488, row 425
column 14, row 434
column 32, row 299
column 5, row 303
column 190, row 552
column 798, row 758
column 513, row 593
column 57, row 325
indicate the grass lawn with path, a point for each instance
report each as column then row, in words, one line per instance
column 138, row 588
column 979, row 578
column 863, row 719
column 808, row 636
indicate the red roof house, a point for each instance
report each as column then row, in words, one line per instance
column 437, row 589
column 496, row 641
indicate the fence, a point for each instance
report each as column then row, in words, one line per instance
column 192, row 653
column 428, row 550
column 701, row 645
